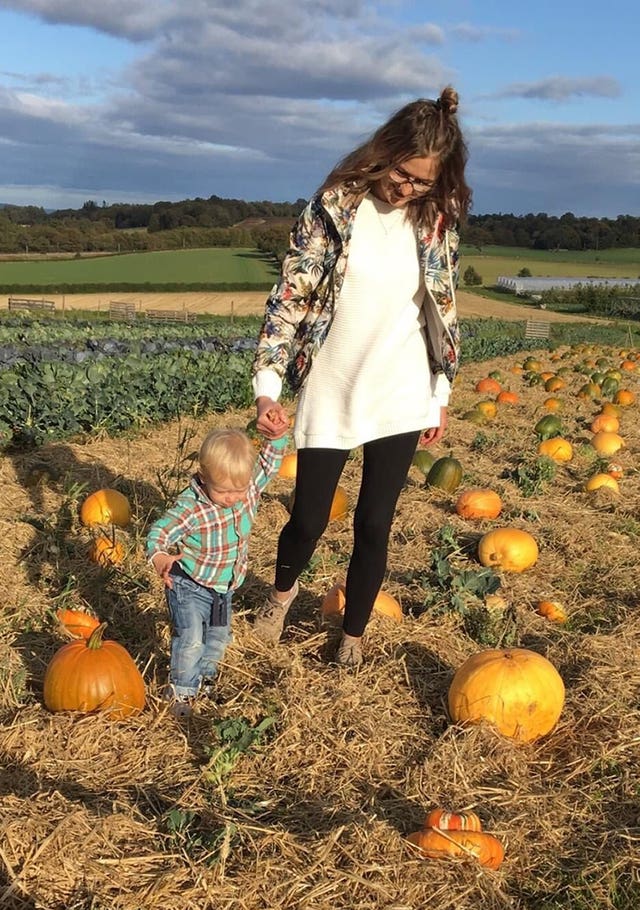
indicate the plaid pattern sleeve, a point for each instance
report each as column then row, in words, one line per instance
column 213, row 540
column 269, row 458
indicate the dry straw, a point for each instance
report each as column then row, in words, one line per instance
column 312, row 812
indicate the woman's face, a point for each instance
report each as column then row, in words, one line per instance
column 410, row 180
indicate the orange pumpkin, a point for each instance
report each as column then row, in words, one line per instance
column 334, row 603
column 552, row 404
column 94, row 675
column 289, row 466
column 624, row 397
column 558, row 449
column 552, row 610
column 608, row 407
column 606, row 422
column 508, row 398
column 339, row 504
column 452, row 821
column 615, row 470
column 434, row 843
column 105, row 507
column 509, row 549
column 77, row 623
column 478, row 503
column 106, row 552
column 488, row 385
column 517, row 690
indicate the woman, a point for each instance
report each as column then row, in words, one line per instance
column 363, row 324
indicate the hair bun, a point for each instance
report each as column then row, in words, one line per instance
column 448, row 101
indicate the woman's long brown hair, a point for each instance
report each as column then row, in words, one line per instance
column 423, row 128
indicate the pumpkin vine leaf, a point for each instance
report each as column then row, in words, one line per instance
column 235, row 736
column 458, row 586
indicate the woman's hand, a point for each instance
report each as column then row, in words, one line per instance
column 272, row 419
column 163, row 563
column 435, row 434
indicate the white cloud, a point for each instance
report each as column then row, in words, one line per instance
column 259, row 98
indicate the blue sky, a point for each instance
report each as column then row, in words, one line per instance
column 143, row 100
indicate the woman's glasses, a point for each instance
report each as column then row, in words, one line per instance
column 420, row 187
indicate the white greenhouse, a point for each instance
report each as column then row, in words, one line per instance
column 526, row 286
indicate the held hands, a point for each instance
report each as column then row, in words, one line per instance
column 162, row 563
column 272, row 420
column 435, row 434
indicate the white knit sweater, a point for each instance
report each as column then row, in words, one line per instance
column 371, row 377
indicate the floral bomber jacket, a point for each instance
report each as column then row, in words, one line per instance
column 300, row 308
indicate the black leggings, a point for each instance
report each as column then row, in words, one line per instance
column 386, row 463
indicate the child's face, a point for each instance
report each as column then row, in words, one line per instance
column 222, row 490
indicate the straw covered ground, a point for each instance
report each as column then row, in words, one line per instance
column 296, row 785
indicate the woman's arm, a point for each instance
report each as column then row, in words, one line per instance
column 301, row 272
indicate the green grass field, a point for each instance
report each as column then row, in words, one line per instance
column 220, row 266
column 208, row 266
column 495, row 261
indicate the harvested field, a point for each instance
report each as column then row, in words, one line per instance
column 246, row 303
column 296, row 785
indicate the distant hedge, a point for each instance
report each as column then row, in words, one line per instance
column 20, row 290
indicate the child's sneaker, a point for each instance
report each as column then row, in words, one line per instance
column 269, row 621
column 207, row 687
column 182, row 707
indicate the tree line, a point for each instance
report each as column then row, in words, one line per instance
column 128, row 227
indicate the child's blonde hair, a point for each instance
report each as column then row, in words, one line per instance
column 227, row 455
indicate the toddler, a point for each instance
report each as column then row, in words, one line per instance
column 199, row 550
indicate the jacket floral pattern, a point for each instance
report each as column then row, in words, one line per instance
column 301, row 306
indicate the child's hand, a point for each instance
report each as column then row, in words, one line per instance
column 272, row 419
column 162, row 563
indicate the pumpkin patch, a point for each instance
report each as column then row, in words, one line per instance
column 291, row 761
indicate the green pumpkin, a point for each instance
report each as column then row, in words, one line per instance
column 548, row 427
column 609, row 387
column 475, row 416
column 423, row 460
column 446, row 474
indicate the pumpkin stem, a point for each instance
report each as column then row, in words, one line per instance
column 95, row 639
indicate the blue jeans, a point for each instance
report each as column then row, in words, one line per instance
column 201, row 631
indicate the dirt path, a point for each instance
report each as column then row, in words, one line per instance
column 244, row 303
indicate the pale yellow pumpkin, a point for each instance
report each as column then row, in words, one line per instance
column 602, row 480
column 607, row 443
column 509, row 549
column 517, row 690
column 558, row 449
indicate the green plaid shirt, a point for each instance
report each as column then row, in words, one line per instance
column 214, row 539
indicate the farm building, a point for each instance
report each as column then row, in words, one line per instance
column 526, row 286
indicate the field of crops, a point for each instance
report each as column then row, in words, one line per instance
column 297, row 785
column 174, row 268
column 217, row 267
